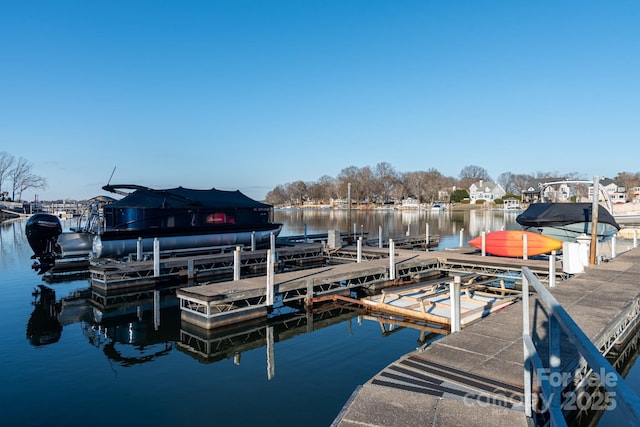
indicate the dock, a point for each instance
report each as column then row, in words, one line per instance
column 431, row 302
column 219, row 304
column 476, row 376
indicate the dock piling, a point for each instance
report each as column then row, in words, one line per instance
column 454, row 295
column 426, row 239
column 270, row 278
column 392, row 263
column 236, row 264
column 190, row 268
column 156, row 309
column 552, row 269
column 156, row 257
column 139, row 249
column 309, row 294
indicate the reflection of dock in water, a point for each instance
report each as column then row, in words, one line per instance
column 210, row 346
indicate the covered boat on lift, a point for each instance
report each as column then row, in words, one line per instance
column 567, row 221
column 180, row 218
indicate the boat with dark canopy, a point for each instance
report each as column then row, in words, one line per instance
column 566, row 221
column 180, row 218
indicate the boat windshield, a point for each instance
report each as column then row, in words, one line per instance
column 91, row 220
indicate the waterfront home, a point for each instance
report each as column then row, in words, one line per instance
column 485, row 190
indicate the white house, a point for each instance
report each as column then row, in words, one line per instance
column 616, row 191
column 488, row 190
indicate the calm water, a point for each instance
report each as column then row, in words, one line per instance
column 66, row 364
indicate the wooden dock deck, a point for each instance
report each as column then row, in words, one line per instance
column 222, row 303
column 432, row 302
column 476, row 376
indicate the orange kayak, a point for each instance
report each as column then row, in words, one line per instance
column 508, row 243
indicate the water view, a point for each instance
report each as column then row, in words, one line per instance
column 62, row 361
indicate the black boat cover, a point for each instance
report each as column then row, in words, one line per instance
column 558, row 214
column 181, row 197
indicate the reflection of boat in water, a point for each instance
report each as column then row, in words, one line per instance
column 133, row 340
column 44, row 327
column 566, row 221
column 179, row 218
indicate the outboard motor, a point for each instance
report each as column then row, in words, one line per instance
column 42, row 234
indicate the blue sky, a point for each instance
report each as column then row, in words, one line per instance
column 252, row 94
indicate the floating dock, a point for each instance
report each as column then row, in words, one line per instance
column 476, row 376
column 432, row 303
column 219, row 304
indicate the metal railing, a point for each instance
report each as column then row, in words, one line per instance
column 550, row 380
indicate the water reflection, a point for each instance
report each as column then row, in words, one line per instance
column 145, row 327
column 137, row 328
column 44, row 327
column 449, row 225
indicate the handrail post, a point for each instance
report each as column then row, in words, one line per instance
column 528, row 377
column 555, row 378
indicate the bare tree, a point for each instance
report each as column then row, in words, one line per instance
column 470, row 174
column 277, row 196
column 348, row 175
column 23, row 179
column 327, row 187
column 386, row 177
column 364, row 190
column 6, row 164
column 297, row 192
column 322, row 190
column 383, row 183
column 514, row 183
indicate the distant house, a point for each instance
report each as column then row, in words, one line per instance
column 511, row 203
column 616, row 191
column 410, row 203
column 535, row 191
column 568, row 191
column 485, row 190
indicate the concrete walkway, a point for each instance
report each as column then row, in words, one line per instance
column 475, row 376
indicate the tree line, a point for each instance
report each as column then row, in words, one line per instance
column 383, row 183
column 19, row 173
